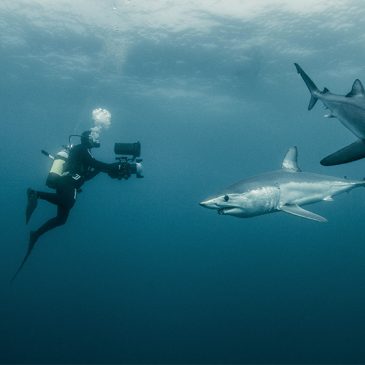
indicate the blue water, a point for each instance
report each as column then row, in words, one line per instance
column 141, row 273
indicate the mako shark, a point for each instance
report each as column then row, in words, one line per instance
column 283, row 190
column 349, row 110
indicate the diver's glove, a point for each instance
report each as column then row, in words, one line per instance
column 119, row 170
column 114, row 170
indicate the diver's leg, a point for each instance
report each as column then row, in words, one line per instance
column 32, row 201
column 58, row 220
column 64, row 193
column 66, row 197
column 53, row 198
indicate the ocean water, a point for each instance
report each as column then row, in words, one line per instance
column 141, row 273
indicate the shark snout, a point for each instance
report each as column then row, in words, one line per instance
column 208, row 204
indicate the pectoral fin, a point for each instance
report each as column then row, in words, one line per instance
column 300, row 212
column 353, row 152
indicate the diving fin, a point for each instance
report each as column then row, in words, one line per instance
column 352, row 152
column 32, row 201
column 32, row 240
column 300, row 212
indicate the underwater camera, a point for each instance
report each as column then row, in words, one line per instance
column 129, row 160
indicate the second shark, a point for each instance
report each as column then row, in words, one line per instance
column 349, row 110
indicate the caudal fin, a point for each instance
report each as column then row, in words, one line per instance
column 310, row 85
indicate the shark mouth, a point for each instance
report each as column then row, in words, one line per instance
column 226, row 210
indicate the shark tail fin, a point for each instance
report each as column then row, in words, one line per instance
column 310, row 85
column 312, row 102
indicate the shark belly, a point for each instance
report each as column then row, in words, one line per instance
column 351, row 115
column 356, row 124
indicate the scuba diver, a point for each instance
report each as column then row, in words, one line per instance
column 79, row 166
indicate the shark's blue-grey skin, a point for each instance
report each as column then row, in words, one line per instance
column 284, row 190
column 349, row 110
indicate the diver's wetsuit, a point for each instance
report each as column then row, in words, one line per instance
column 81, row 166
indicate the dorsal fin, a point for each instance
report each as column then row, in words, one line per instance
column 357, row 89
column 290, row 160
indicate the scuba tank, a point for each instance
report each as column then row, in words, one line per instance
column 58, row 168
column 59, row 165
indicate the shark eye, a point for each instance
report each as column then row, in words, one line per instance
column 226, row 198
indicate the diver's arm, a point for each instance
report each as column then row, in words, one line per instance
column 101, row 166
column 90, row 161
column 91, row 174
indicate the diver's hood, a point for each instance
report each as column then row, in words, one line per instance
column 89, row 140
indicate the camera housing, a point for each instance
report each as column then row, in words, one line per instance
column 129, row 160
